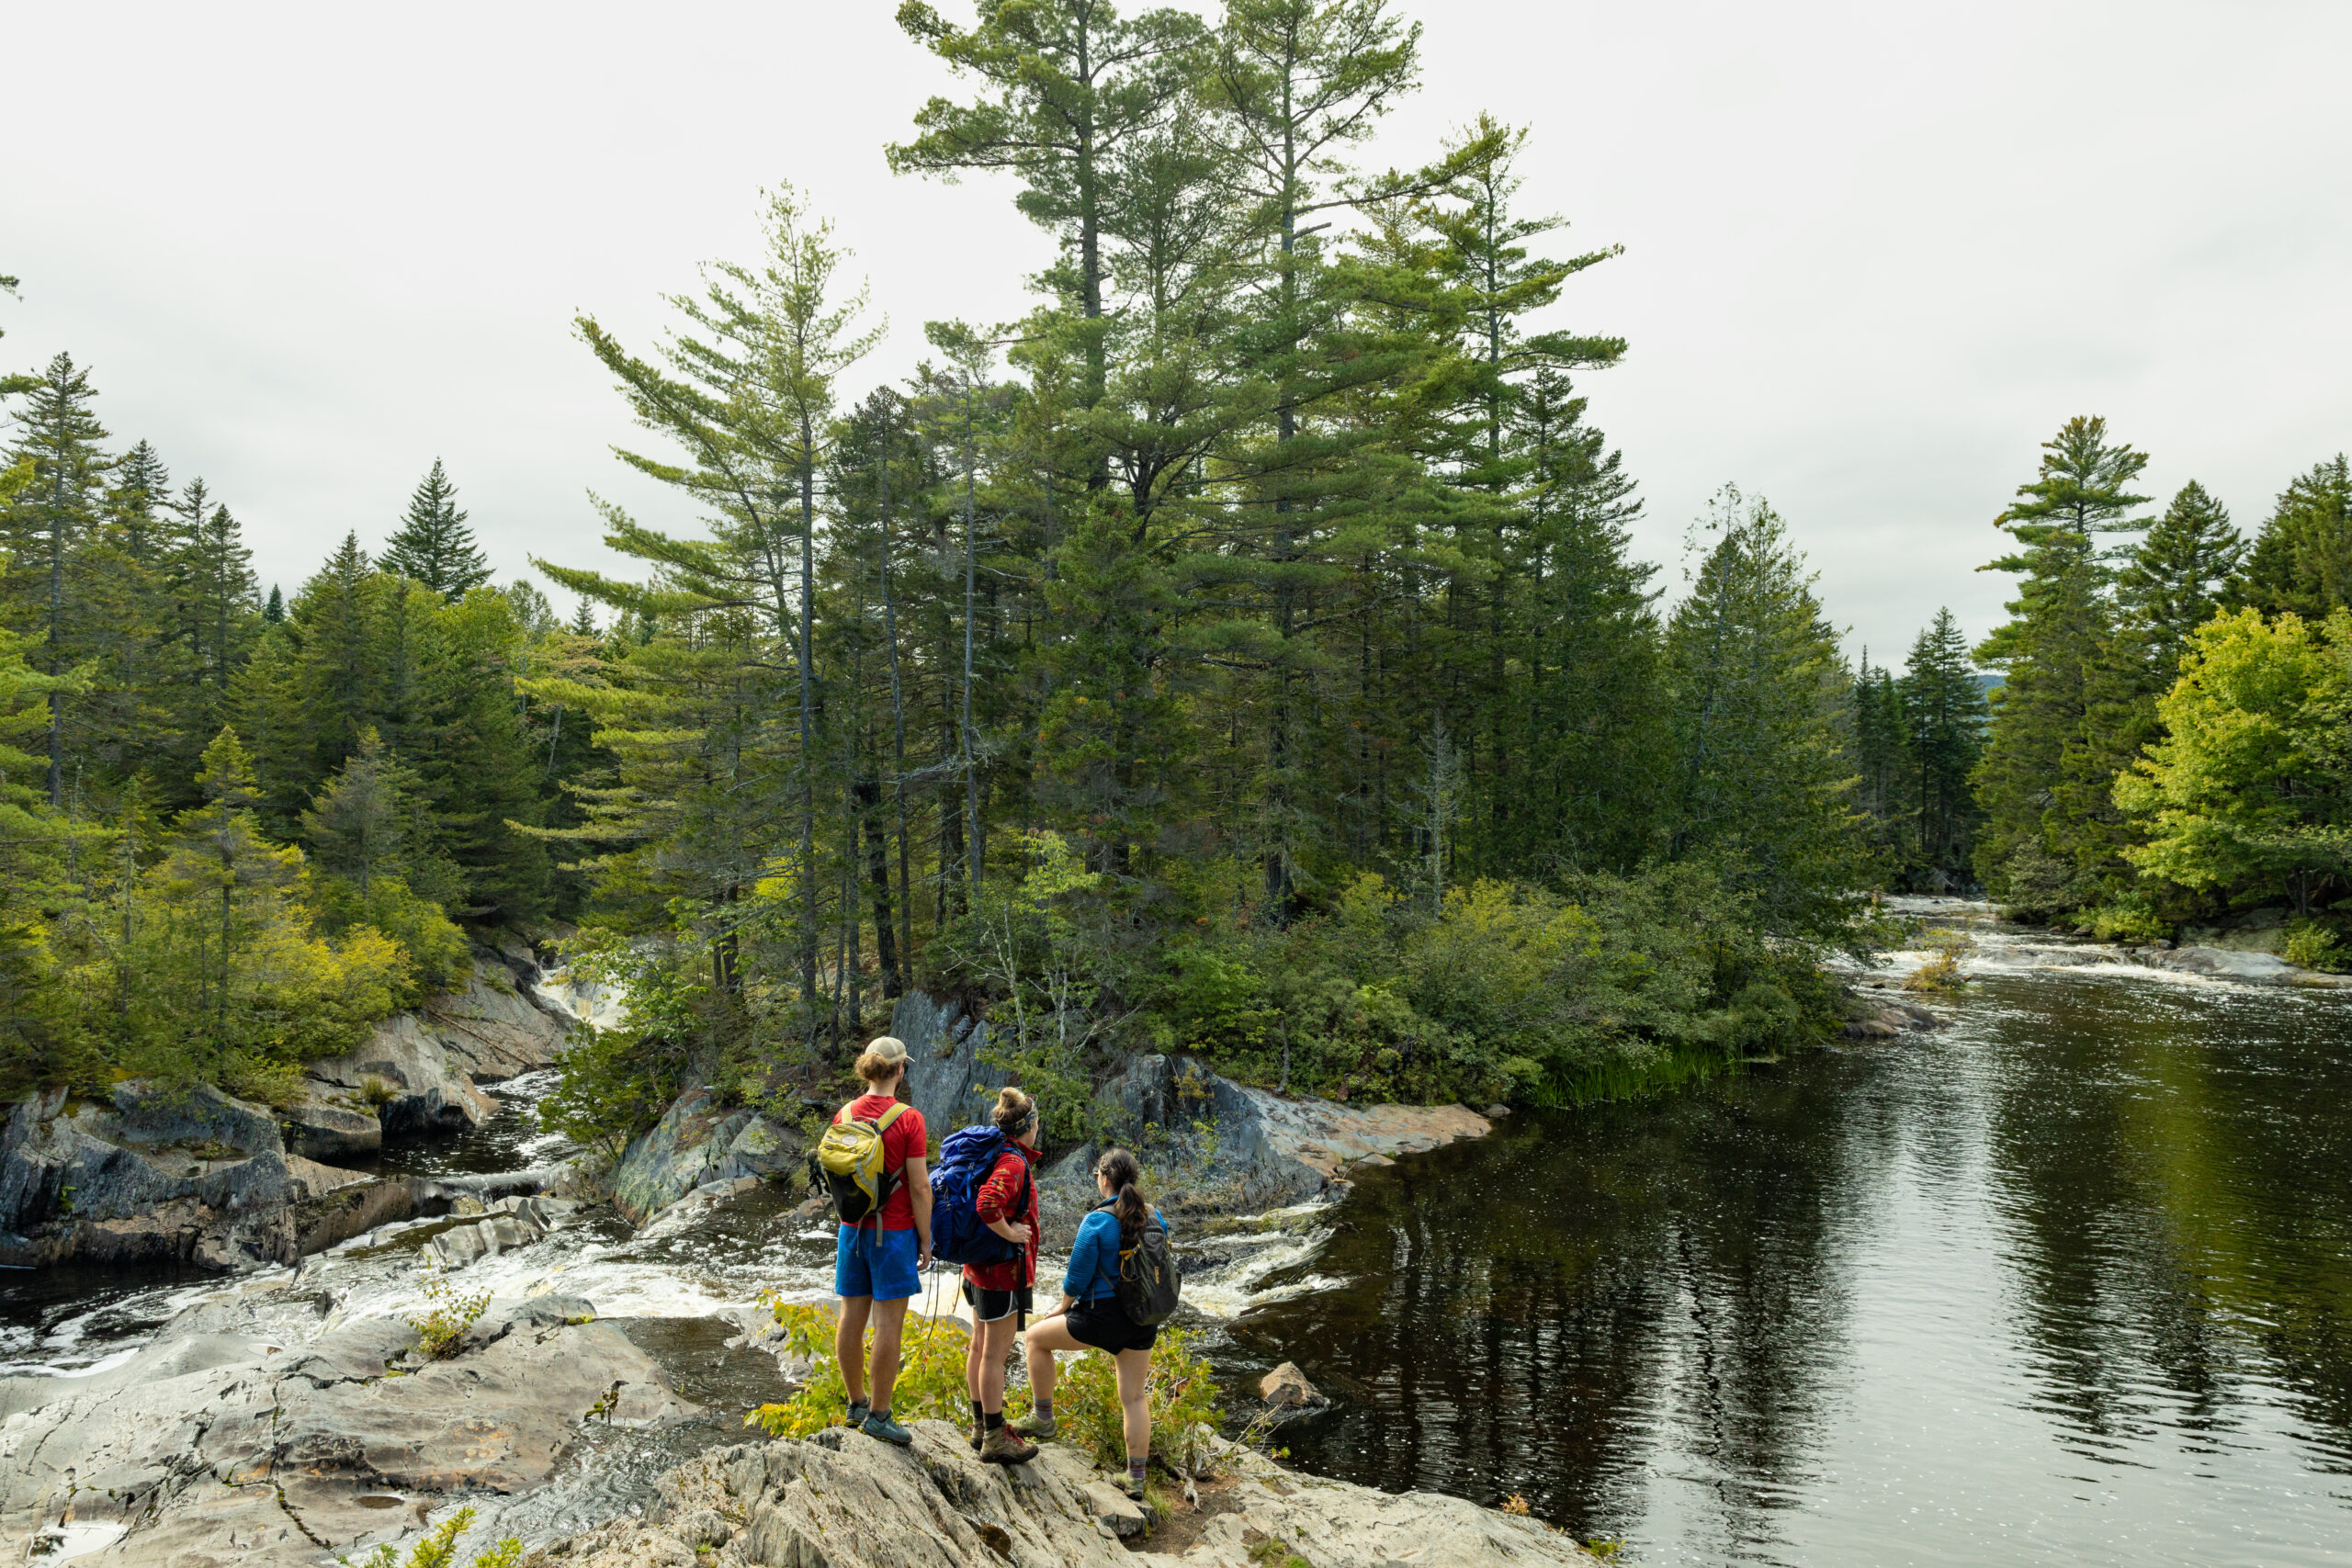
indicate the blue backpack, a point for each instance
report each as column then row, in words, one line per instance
column 958, row 1233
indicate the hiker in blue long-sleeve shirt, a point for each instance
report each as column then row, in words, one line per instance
column 1090, row 1318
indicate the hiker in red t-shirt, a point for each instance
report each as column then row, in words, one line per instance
column 1001, row 1292
column 879, row 1263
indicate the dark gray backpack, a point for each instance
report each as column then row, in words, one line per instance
column 1149, row 1284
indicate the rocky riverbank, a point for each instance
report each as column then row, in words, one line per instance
column 843, row 1500
column 262, row 1430
column 155, row 1175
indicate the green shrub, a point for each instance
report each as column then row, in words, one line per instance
column 449, row 1311
column 931, row 1372
column 439, row 1550
column 437, row 956
column 2311, row 946
column 2127, row 917
column 1181, row 1390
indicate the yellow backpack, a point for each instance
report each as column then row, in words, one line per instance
column 853, row 1158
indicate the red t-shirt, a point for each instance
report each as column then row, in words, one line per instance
column 902, row 1140
column 995, row 1200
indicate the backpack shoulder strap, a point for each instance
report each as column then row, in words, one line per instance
column 898, row 1108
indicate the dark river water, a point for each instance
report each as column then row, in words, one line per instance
column 2068, row 1282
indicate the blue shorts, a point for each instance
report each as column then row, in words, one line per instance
column 880, row 1264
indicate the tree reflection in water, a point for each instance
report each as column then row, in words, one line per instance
column 2070, row 1278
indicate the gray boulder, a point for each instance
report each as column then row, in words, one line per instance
column 694, row 1145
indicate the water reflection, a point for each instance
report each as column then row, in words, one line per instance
column 2066, row 1283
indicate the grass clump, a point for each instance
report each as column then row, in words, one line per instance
column 449, row 1311
column 1941, row 972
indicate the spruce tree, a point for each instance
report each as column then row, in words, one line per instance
column 1943, row 734
column 48, row 519
column 432, row 545
column 2302, row 562
column 2179, row 577
column 1757, row 699
column 2052, row 650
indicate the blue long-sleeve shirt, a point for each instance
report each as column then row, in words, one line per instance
column 1093, row 1271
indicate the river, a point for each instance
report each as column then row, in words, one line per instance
column 2065, row 1283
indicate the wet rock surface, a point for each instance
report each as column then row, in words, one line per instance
column 219, row 1445
column 696, row 1142
column 846, row 1501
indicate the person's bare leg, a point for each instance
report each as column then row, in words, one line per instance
column 1135, row 1402
column 976, row 1359
column 996, row 1343
column 890, row 1328
column 1044, row 1339
column 849, row 1344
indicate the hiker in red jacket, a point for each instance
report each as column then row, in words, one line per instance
column 1001, row 1292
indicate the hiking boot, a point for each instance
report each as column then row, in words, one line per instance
column 1035, row 1429
column 858, row 1411
column 1131, row 1487
column 878, row 1425
column 980, row 1435
column 1004, row 1446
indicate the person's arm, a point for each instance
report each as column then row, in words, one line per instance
column 995, row 1198
column 1082, row 1261
column 919, row 1200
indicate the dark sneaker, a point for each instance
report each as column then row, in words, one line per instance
column 1036, row 1429
column 878, row 1425
column 1004, row 1446
column 858, row 1412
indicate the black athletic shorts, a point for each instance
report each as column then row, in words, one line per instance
column 1107, row 1327
column 989, row 1306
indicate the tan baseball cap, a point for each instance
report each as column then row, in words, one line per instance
column 889, row 1049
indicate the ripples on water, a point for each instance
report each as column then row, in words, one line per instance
column 2064, row 1283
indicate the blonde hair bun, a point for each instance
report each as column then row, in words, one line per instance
column 1013, row 1110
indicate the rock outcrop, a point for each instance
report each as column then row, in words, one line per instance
column 946, row 1080
column 843, row 1500
column 2249, row 966
column 230, row 1449
column 694, row 1145
column 501, row 1227
column 419, row 1072
column 167, row 1176
column 1216, row 1146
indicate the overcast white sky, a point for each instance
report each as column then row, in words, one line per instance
column 1874, row 253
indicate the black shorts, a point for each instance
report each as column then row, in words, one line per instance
column 1106, row 1326
column 989, row 1306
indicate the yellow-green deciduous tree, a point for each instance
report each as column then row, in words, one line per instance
column 2246, row 793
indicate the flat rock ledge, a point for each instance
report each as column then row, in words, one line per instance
column 843, row 1500
column 219, row 1446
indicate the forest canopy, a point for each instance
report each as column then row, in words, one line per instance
column 1241, row 653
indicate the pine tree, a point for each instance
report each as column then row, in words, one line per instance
column 1072, row 84
column 432, row 545
column 366, row 822
column 1882, row 792
column 274, row 612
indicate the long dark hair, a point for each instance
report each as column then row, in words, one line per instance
column 1122, row 1170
